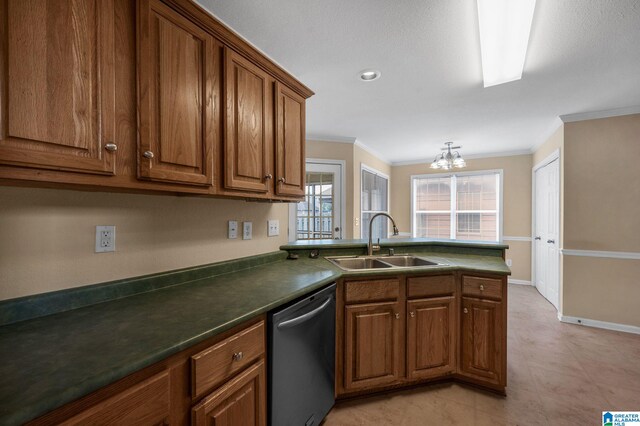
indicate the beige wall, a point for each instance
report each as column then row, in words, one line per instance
column 516, row 201
column 601, row 213
column 360, row 158
column 47, row 236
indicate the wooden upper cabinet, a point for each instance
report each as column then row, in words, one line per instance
column 176, row 78
column 290, row 141
column 248, row 140
column 57, row 92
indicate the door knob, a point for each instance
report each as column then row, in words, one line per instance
column 148, row 154
column 551, row 241
column 537, row 238
column 111, row 147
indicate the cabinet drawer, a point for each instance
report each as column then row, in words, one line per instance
column 370, row 290
column 216, row 364
column 436, row 285
column 490, row 288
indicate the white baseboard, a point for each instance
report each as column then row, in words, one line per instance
column 519, row 282
column 599, row 324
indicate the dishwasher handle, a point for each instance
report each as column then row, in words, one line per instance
column 302, row 318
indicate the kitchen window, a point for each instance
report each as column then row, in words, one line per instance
column 374, row 199
column 460, row 206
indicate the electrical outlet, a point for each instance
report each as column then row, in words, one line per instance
column 273, row 228
column 247, row 230
column 105, row 238
column 509, row 262
column 233, row 229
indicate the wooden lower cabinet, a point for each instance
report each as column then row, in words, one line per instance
column 372, row 345
column 431, row 337
column 240, row 402
column 146, row 403
column 481, row 341
column 405, row 330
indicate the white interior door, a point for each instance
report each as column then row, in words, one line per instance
column 320, row 215
column 547, row 231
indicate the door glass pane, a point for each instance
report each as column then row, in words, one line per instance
column 374, row 199
column 315, row 216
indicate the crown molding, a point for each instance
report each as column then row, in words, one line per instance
column 332, row 139
column 593, row 115
column 373, row 152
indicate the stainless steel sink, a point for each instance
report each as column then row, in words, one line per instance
column 349, row 263
column 407, row 261
column 360, row 263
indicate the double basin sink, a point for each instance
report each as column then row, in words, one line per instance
column 360, row 263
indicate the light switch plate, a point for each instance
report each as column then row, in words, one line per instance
column 509, row 262
column 247, row 230
column 233, row 229
column 105, row 238
column 273, row 228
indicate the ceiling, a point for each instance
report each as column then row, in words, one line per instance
column 584, row 55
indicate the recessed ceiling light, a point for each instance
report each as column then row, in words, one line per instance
column 369, row 75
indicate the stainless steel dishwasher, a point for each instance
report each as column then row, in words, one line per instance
column 301, row 360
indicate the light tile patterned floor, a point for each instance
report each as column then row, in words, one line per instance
column 558, row 374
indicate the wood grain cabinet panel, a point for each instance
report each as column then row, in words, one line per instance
column 482, row 350
column 373, row 346
column 290, row 142
column 57, row 88
column 431, row 337
column 248, row 140
column 176, row 61
column 144, row 404
column 240, row 402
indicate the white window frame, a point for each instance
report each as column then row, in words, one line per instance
column 364, row 167
column 452, row 210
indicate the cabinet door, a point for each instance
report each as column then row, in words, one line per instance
column 373, row 347
column 248, row 143
column 175, row 95
column 431, row 337
column 57, row 92
column 483, row 332
column 240, row 402
column 290, row 140
column 146, row 403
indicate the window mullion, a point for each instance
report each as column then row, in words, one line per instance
column 454, row 184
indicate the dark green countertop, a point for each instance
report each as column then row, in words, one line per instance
column 49, row 361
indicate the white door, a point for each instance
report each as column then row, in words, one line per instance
column 547, row 231
column 320, row 215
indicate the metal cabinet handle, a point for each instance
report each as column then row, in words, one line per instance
column 281, row 180
column 268, row 176
column 551, row 241
column 413, row 314
column 238, row 356
column 148, row 154
column 481, row 287
column 397, row 316
column 465, row 310
column 111, row 147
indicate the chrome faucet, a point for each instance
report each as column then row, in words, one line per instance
column 371, row 247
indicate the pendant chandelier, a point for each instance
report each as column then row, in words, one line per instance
column 448, row 160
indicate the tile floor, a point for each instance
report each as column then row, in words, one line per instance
column 558, row 374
